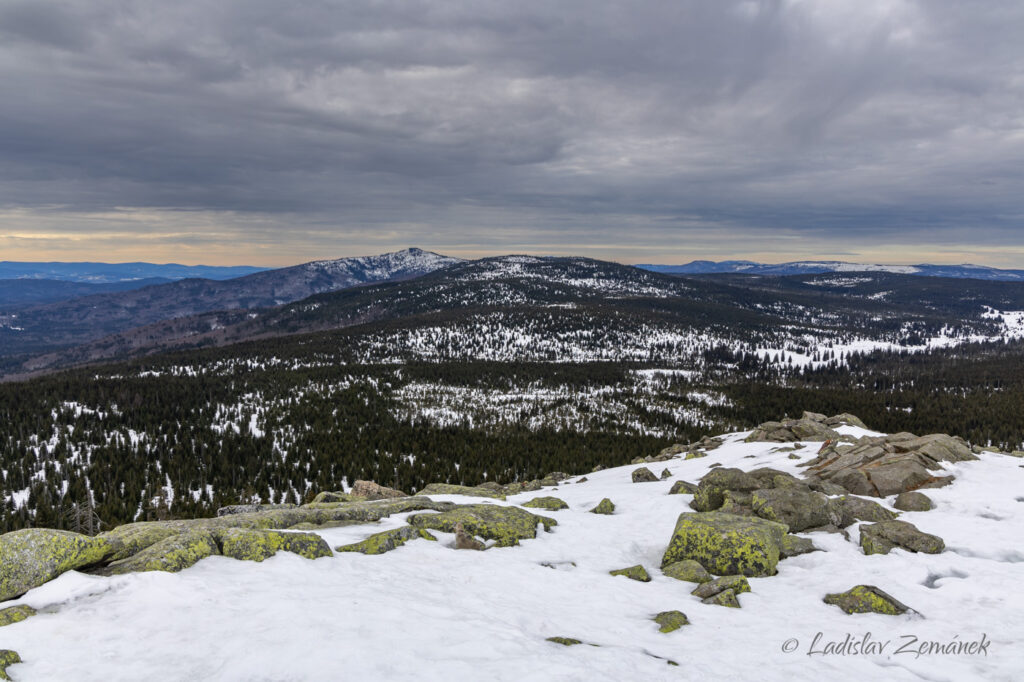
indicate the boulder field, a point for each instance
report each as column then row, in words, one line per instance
column 830, row 483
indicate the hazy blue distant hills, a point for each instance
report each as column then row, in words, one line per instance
column 18, row 292
column 99, row 273
column 699, row 267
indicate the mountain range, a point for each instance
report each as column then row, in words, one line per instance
column 817, row 267
column 106, row 273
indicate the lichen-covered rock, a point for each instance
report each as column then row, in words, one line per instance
column 851, row 508
column 711, row 491
column 637, row 572
column 682, row 488
column 33, row 556
column 250, row 508
column 549, row 503
column 131, row 538
column 845, row 418
column 798, row 509
column 723, row 598
column 375, row 491
column 328, row 497
column 666, row 474
column 605, row 506
column 867, row 599
column 506, row 525
column 379, row 543
column 15, row 614
column 913, row 502
column 687, row 570
column 881, row 538
column 451, row 489
column 792, row 430
column 727, row 544
column 7, row 659
column 172, row 554
column 671, row 621
column 464, row 540
column 247, row 544
column 643, row 475
column 737, row 583
column 695, row 454
column 793, row 545
column 564, row 641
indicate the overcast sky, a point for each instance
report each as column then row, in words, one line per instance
column 270, row 132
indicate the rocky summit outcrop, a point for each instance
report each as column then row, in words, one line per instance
column 727, row 544
column 867, row 599
column 505, row 525
column 889, row 465
column 883, row 537
column 33, row 556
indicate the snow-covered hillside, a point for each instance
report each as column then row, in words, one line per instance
column 427, row 612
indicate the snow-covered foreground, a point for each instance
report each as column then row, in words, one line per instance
column 427, row 612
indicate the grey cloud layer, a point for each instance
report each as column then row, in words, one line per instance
column 821, row 118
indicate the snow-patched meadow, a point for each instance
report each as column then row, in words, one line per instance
column 427, row 612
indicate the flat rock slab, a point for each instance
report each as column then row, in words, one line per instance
column 867, row 599
column 506, row 525
column 881, row 538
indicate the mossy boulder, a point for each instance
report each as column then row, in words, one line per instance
column 737, row 583
column 913, row 502
column 793, row 545
column 15, row 614
column 505, row 525
column 549, row 503
column 881, row 538
column 851, row 508
column 867, row 599
column 256, row 545
column 379, row 543
column 724, row 598
column 605, row 506
column 33, row 556
column 7, row 658
column 687, row 570
column 671, row 621
column 452, row 489
column 682, row 488
column 638, row 573
column 132, row 538
column 644, row 475
column 727, row 544
column 798, row 509
column 172, row 554
column 711, row 491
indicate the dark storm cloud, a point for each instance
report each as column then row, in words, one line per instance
column 822, row 119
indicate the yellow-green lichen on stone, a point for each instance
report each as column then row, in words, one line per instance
column 379, row 543
column 605, row 506
column 867, row 599
column 687, row 570
column 727, row 544
column 132, row 538
column 637, row 572
column 723, row 598
column 737, row 583
column 15, row 614
column 7, row 658
column 671, row 621
column 549, row 503
column 33, row 556
column 172, row 554
column 505, row 525
column 247, row 544
column 451, row 489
